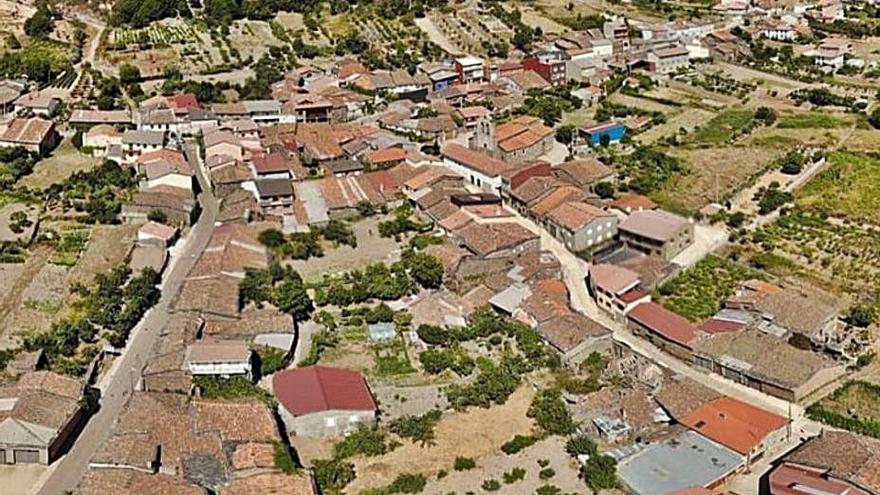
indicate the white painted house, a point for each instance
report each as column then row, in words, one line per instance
column 222, row 359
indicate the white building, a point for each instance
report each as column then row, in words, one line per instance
column 222, row 359
column 470, row 69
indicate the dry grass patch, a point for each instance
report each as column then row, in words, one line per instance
column 688, row 120
column 787, row 138
column 64, row 162
column 484, row 431
column 863, row 140
column 108, row 247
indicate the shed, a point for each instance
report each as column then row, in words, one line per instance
column 382, row 331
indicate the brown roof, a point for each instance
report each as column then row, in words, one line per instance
column 664, row 322
column 127, row 482
column 217, row 352
column 583, row 173
column 528, row 79
column 486, row 239
column 658, row 225
column 848, row 456
column 475, row 160
column 271, row 484
column 428, row 176
column 680, row 396
column 556, row 198
column 386, row 155
column 549, row 299
column 27, row 131
column 612, row 278
column 575, row 215
column 252, row 322
column 534, row 189
column 633, row 202
column 565, row 332
column 42, row 398
column 449, row 254
column 735, row 424
column 522, row 132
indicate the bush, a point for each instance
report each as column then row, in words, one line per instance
column 407, row 483
column 600, row 472
column 581, row 445
column 283, row 460
column 366, row 440
column 464, row 463
column 333, row 474
column 417, row 428
column 860, row 316
column 491, row 485
column 518, row 443
column 550, row 413
column 546, row 473
column 514, row 475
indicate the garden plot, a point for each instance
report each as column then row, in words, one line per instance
column 698, row 292
column 788, row 138
column 863, row 140
column 688, row 120
column 724, row 128
column 533, row 18
column 849, row 188
column 816, row 119
column 64, row 162
column 854, row 407
column 159, row 33
column 108, row 247
column 485, row 430
column 700, row 95
column 641, row 103
column 714, row 174
column 34, row 299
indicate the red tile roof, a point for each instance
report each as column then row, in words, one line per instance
column 386, row 155
column 734, row 424
column 271, row 163
column 714, row 325
column 664, row 322
column 318, row 388
column 475, row 160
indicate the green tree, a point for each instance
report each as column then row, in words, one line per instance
column 604, row 190
column 129, row 74
column 766, row 115
column 550, row 413
column 874, row 119
column 41, row 24
column 425, row 269
column 600, row 473
column 291, row 297
column 565, row 134
column 860, row 316
column 271, row 238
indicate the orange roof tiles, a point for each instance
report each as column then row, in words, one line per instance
column 734, row 424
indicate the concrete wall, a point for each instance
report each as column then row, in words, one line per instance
column 325, row 423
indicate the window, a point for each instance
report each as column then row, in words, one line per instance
column 354, row 418
column 330, row 422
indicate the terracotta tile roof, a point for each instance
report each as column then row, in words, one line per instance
column 159, row 230
column 428, row 176
column 556, row 198
column 522, row 132
column 633, row 202
column 575, row 215
column 736, row 425
column 442, row 210
column 270, row 163
column 534, row 189
column 449, row 254
column 253, row 455
column 583, row 173
column 100, row 117
column 664, row 322
column 234, row 172
column 658, row 225
column 565, row 332
column 612, row 278
column 217, row 352
column 528, row 79
column 27, row 131
column 486, row 239
column 474, row 160
column 714, row 325
column 680, row 396
column 127, row 482
column 455, row 221
column 549, row 299
column 319, row 140
column 385, row 183
column 270, row 484
column 251, row 322
column 474, row 112
column 387, row 155
column 318, row 388
column 847, row 456
column 234, row 421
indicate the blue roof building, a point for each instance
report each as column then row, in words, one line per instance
column 593, row 135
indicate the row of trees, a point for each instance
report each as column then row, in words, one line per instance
column 280, row 286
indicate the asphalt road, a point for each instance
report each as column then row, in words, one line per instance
column 126, row 373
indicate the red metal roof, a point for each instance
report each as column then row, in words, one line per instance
column 319, row 388
column 664, row 322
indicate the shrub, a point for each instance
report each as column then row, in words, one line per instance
column 366, row 440
column 491, row 485
column 514, row 475
column 464, row 463
column 581, row 445
column 407, row 483
column 600, row 472
column 550, row 413
column 333, row 474
column 517, row 443
column 417, row 428
column 546, row 473
column 283, row 460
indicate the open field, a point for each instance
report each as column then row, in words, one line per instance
column 688, row 119
column 371, row 248
column 714, row 175
column 813, row 120
column 789, row 138
column 641, row 103
column 723, row 128
column 485, row 430
column 849, row 188
column 64, row 162
column 863, row 140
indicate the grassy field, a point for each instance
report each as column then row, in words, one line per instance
column 713, row 172
column 854, row 407
column 723, row 128
column 849, row 188
column 64, row 162
column 698, row 292
column 812, row 120
column 788, row 138
column 863, row 140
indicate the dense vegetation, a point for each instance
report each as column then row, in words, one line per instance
column 853, row 407
column 699, row 292
column 140, row 13
column 99, row 193
column 281, row 286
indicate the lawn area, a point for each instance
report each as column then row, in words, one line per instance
column 812, row 120
column 698, row 292
column 64, row 162
column 854, row 407
column 723, row 128
column 848, row 188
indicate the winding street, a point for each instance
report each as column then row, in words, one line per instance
column 123, row 376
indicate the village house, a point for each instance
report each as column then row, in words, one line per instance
column 317, row 401
column 549, row 67
column 223, row 143
column 582, row 227
column 669, row 60
column 87, row 119
column 9, row 92
column 38, row 103
column 470, row 69
column 221, row 359
column 522, row 82
column 39, row 415
column 598, row 135
column 166, row 167
column 480, row 170
column 33, row 134
column 833, row 462
column 137, row 142
column 668, row 331
column 616, row 289
column 657, row 232
column 584, row 174
column 156, row 233
column 519, row 141
column 832, row 52
column 100, row 138
column 497, row 240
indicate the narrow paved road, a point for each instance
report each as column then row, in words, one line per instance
column 127, row 368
